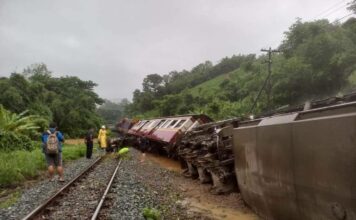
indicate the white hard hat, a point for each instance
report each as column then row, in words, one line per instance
column 103, row 127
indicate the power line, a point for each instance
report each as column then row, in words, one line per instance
column 337, row 9
column 343, row 18
column 330, row 8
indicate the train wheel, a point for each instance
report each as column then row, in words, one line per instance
column 204, row 175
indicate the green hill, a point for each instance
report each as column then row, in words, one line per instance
column 317, row 60
column 210, row 87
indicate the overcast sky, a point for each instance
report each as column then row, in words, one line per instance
column 116, row 43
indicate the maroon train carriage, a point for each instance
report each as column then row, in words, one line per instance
column 162, row 134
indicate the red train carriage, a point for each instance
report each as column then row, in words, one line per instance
column 162, row 134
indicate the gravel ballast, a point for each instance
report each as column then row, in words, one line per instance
column 35, row 194
column 81, row 199
column 140, row 185
column 154, row 184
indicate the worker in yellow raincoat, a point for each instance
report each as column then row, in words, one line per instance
column 102, row 137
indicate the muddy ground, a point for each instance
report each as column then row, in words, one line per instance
column 196, row 198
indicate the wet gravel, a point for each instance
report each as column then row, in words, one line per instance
column 82, row 198
column 35, row 194
column 140, row 185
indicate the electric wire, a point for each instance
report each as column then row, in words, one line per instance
column 343, row 18
column 330, row 8
column 337, row 9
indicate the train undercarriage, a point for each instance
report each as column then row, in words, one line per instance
column 206, row 152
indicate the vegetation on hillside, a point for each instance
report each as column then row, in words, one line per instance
column 111, row 112
column 68, row 101
column 317, row 59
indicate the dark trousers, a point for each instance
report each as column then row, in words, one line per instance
column 89, row 149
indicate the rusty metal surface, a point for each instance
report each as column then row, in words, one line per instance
column 302, row 168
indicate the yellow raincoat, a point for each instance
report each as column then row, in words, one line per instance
column 102, row 138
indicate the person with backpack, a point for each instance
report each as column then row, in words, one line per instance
column 89, row 141
column 52, row 148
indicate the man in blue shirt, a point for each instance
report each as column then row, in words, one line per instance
column 53, row 160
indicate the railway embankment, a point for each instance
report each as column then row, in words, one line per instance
column 142, row 182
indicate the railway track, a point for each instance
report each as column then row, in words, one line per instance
column 83, row 196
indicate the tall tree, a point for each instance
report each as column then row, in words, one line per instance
column 352, row 6
column 152, row 83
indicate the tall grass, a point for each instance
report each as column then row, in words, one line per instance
column 17, row 166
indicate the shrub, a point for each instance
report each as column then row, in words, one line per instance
column 10, row 141
column 16, row 130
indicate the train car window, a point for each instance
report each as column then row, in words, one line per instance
column 160, row 123
column 166, row 124
column 186, row 124
column 140, row 124
column 150, row 125
column 179, row 123
column 171, row 125
column 155, row 123
column 146, row 124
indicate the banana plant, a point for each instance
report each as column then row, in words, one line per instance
column 19, row 123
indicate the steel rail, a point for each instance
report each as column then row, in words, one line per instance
column 98, row 208
column 49, row 200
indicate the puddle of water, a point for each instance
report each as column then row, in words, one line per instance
column 217, row 212
column 164, row 162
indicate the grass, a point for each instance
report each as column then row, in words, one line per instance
column 72, row 152
column 10, row 199
column 151, row 214
column 212, row 87
column 18, row 166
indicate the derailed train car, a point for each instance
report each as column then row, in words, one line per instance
column 300, row 165
column 163, row 134
column 297, row 163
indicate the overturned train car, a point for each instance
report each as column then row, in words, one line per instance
column 292, row 164
column 300, row 165
column 162, row 135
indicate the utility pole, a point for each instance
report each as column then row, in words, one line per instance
column 267, row 81
column 269, row 61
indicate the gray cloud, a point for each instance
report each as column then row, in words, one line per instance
column 117, row 43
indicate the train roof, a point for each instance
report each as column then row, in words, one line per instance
column 311, row 105
column 203, row 116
